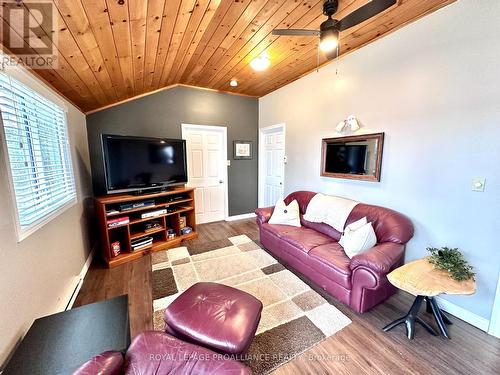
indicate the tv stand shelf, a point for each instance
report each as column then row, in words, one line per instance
column 179, row 202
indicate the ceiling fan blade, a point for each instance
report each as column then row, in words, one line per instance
column 296, row 32
column 367, row 11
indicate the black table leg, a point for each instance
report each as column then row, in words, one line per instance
column 441, row 318
column 410, row 319
column 428, row 308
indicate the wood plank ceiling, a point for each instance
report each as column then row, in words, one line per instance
column 109, row 52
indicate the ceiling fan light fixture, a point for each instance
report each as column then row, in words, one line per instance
column 329, row 40
column 233, row 83
column 260, row 63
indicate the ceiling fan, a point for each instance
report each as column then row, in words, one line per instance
column 329, row 30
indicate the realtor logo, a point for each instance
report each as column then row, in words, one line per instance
column 28, row 34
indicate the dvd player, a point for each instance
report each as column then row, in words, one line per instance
column 156, row 213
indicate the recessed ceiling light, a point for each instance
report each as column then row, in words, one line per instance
column 233, row 83
column 260, row 63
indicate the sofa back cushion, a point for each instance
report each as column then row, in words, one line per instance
column 389, row 225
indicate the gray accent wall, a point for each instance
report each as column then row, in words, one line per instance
column 161, row 115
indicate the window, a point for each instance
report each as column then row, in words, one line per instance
column 39, row 157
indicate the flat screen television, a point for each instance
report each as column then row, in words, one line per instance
column 137, row 163
column 345, row 158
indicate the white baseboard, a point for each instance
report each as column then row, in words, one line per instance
column 240, row 217
column 67, row 302
column 465, row 315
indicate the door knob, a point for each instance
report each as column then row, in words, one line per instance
column 281, row 183
column 221, row 182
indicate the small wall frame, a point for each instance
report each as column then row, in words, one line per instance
column 242, row 150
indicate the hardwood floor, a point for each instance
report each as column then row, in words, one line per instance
column 360, row 348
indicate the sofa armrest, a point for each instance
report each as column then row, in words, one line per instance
column 107, row 363
column 381, row 258
column 264, row 214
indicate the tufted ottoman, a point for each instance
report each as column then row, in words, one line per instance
column 216, row 316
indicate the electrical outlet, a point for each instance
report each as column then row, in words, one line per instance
column 478, row 184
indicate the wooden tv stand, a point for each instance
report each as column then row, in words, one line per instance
column 179, row 202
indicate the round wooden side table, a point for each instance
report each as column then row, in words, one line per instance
column 425, row 282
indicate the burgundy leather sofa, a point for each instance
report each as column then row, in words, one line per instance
column 159, row 353
column 314, row 251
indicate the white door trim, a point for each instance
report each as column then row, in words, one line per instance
column 223, row 130
column 262, row 160
column 494, row 328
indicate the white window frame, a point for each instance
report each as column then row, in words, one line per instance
column 26, row 232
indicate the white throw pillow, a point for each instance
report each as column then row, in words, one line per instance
column 358, row 237
column 286, row 215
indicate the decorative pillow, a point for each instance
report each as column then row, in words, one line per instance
column 286, row 215
column 358, row 237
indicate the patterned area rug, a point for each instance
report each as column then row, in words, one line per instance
column 294, row 317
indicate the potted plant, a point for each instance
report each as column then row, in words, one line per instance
column 453, row 261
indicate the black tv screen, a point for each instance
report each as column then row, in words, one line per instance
column 342, row 158
column 136, row 163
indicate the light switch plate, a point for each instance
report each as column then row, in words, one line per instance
column 478, row 184
column 229, row 163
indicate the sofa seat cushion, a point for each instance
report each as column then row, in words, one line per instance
column 278, row 229
column 306, row 239
column 331, row 261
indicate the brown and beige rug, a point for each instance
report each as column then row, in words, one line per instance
column 294, row 317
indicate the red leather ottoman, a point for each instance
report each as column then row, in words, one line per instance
column 216, row 316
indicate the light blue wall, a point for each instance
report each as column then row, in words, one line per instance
column 433, row 87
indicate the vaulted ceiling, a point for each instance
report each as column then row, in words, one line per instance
column 112, row 50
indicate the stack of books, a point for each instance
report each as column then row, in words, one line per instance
column 118, row 221
column 141, row 243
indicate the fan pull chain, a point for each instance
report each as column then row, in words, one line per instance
column 317, row 64
column 337, row 62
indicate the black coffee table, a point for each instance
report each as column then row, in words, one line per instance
column 60, row 343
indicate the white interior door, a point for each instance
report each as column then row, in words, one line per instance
column 207, row 170
column 272, row 165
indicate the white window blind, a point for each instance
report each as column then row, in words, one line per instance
column 36, row 137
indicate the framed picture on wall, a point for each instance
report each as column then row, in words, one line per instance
column 243, row 150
